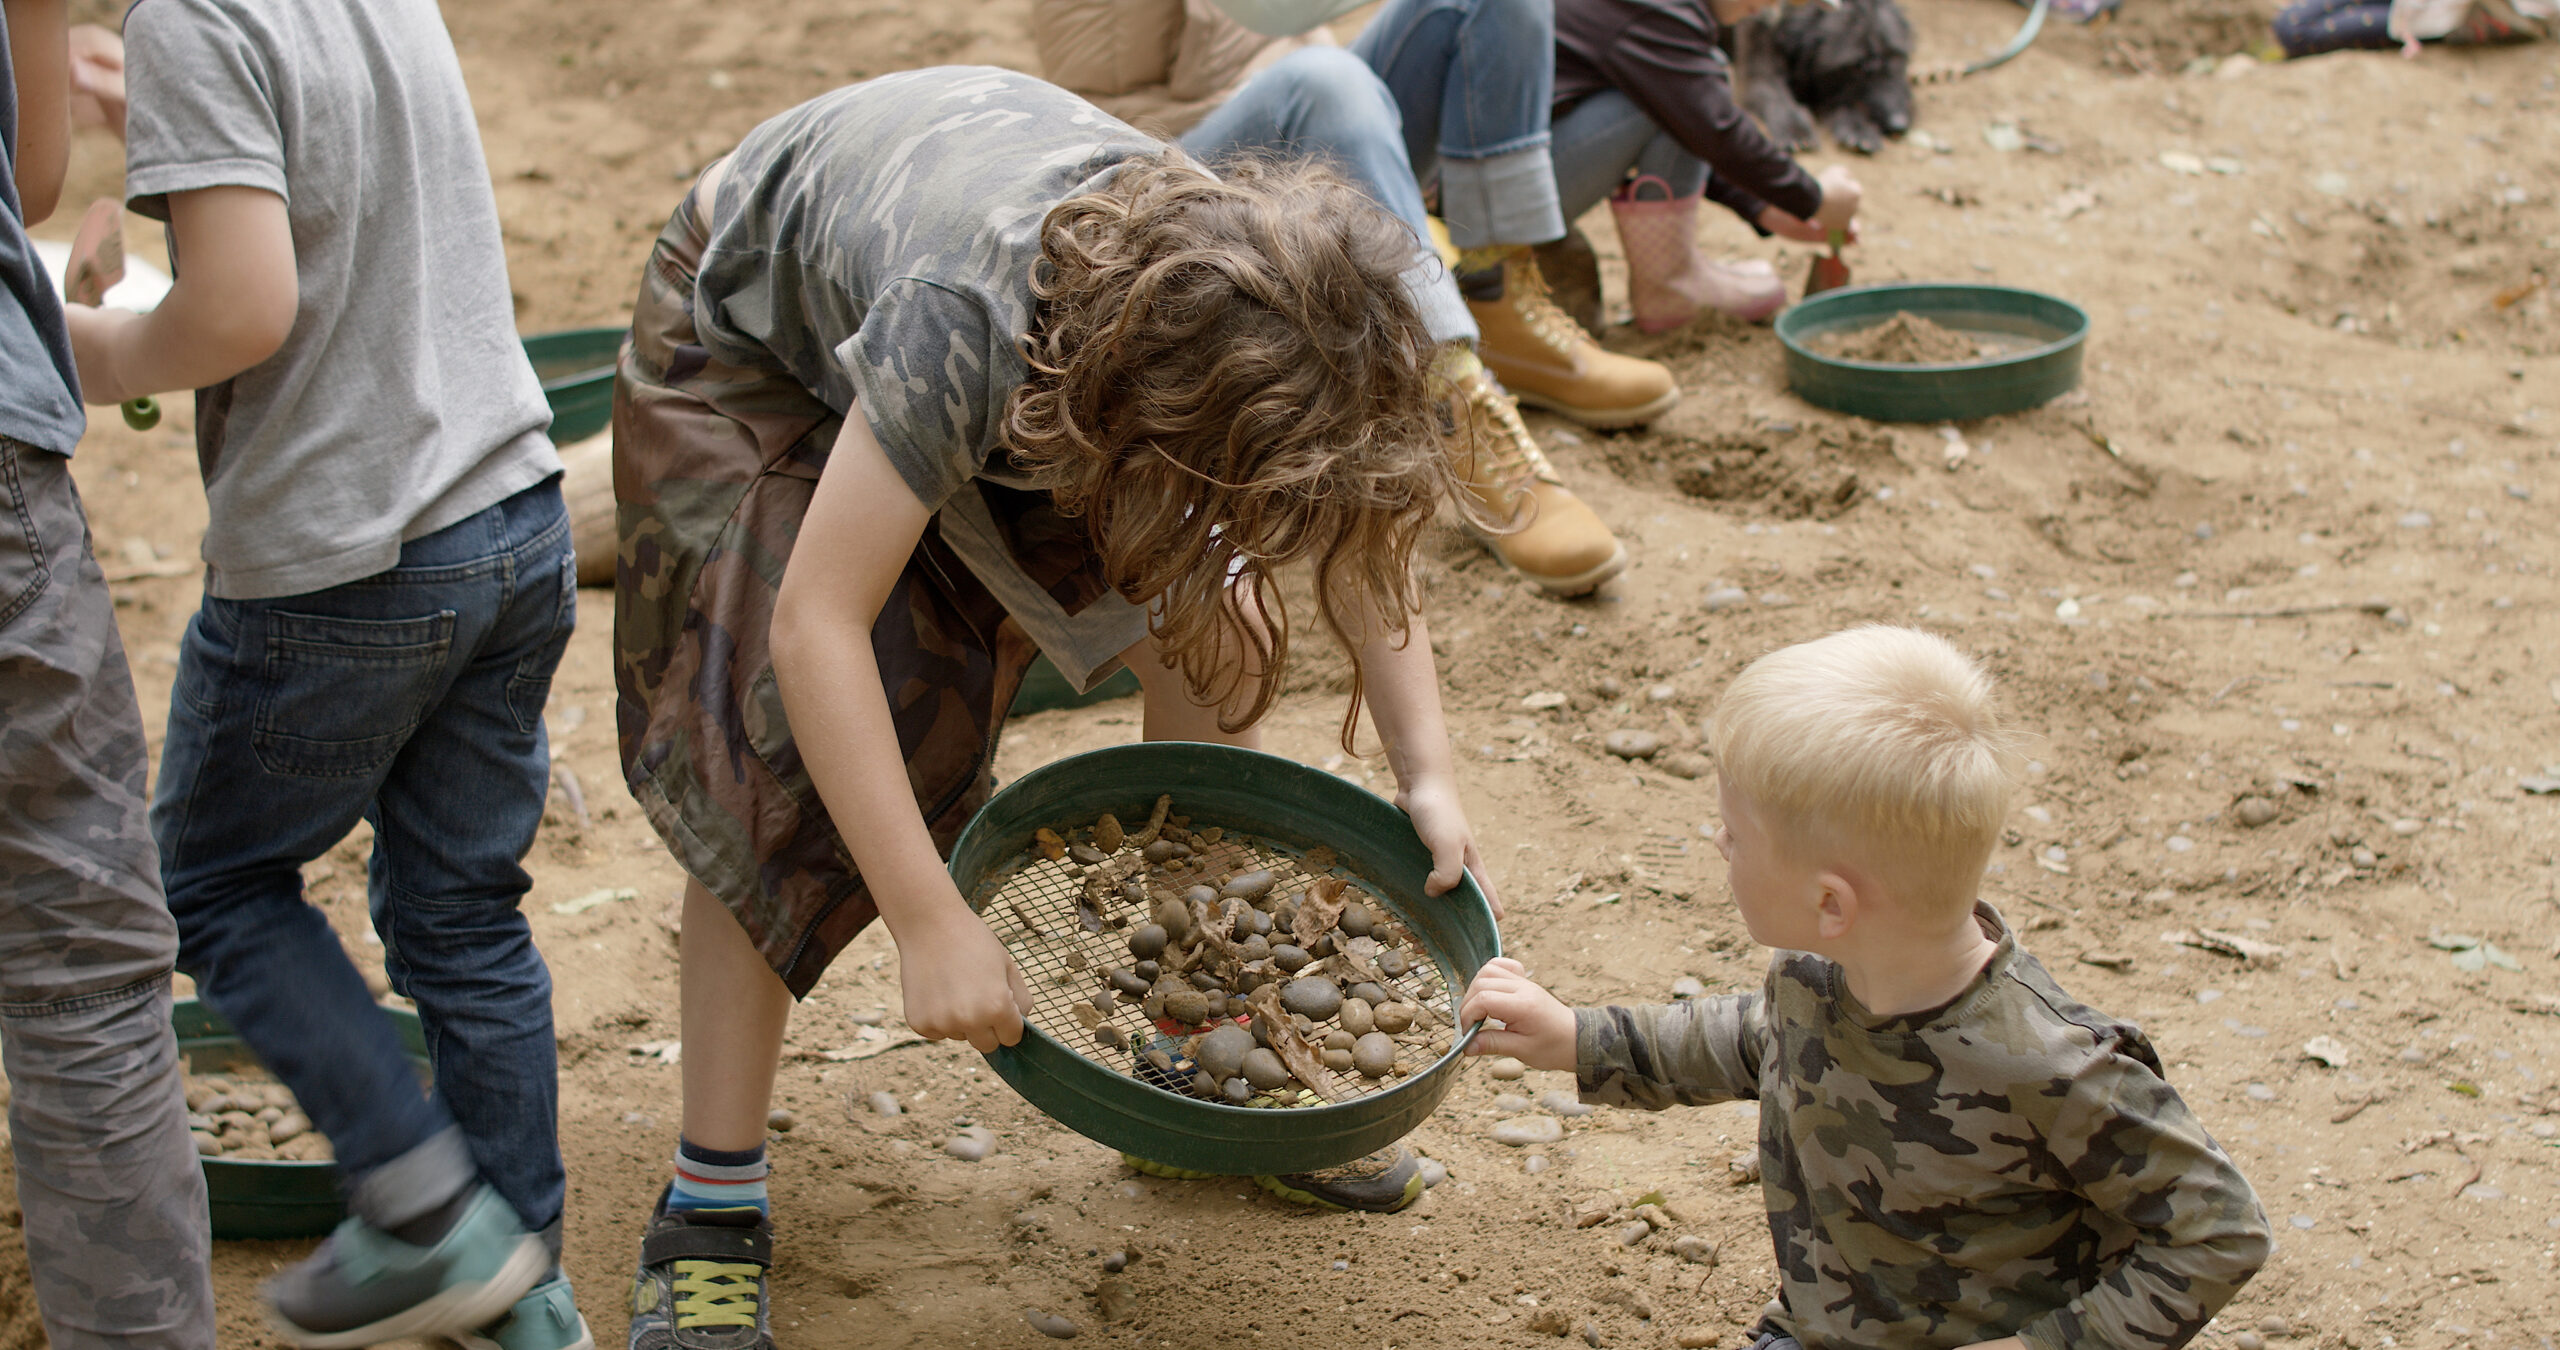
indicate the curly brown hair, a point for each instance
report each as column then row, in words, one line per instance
column 1228, row 377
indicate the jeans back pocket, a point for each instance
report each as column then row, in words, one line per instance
column 341, row 696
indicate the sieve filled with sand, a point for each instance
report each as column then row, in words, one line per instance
column 1932, row 352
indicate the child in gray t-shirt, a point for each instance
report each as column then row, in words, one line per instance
column 389, row 586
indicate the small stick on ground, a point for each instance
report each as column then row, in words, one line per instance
column 2291, row 611
column 2465, row 1184
column 2355, row 1108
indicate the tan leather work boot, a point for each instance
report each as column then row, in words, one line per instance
column 1560, row 545
column 1547, row 361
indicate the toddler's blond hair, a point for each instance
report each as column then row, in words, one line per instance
column 1878, row 743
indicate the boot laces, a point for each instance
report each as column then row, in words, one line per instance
column 1527, row 288
column 1506, row 455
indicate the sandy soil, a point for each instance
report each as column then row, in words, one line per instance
column 2302, row 395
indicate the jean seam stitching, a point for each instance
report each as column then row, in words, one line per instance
column 142, row 988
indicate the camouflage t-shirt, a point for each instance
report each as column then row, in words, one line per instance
column 2010, row 1164
column 877, row 244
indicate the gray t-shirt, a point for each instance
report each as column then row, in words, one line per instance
column 402, row 400
column 877, row 243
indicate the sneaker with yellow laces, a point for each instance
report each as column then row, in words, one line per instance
column 702, row 1280
column 1554, row 538
column 1546, row 359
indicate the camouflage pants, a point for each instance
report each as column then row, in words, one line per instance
column 713, row 469
column 108, row 1178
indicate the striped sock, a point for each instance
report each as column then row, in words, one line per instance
column 708, row 1178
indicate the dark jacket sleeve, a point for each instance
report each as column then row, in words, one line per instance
column 1665, row 58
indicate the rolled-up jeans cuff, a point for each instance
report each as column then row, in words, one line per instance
column 416, row 1182
column 1508, row 198
column 1435, row 294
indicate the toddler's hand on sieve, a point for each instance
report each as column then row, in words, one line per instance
column 1537, row 1029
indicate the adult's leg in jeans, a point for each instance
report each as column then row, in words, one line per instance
column 1473, row 79
column 1325, row 103
column 452, row 823
column 285, row 719
column 1603, row 137
column 107, row 1177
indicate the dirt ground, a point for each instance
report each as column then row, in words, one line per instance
column 2290, row 540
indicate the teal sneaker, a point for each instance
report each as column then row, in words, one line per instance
column 701, row 1284
column 545, row 1319
column 1381, row 1183
column 364, row 1286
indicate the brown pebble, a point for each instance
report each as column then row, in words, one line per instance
column 1698, row 1338
column 1190, row 1007
column 1393, row 1018
column 1107, row 834
column 1375, row 1055
column 1632, row 744
column 781, row 1120
column 1339, row 1061
column 2253, row 812
column 1264, row 1070
column 2248, row 1340
column 1356, row 1018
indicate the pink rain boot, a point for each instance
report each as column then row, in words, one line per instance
column 1667, row 278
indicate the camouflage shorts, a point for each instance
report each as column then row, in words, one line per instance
column 714, row 466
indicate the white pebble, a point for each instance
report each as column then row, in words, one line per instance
column 1522, row 1131
column 1505, row 1069
column 1564, row 1104
column 972, row 1144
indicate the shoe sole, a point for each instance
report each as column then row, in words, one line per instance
column 1581, row 583
column 1413, row 1189
column 474, row 1341
column 1598, row 419
column 459, row 1310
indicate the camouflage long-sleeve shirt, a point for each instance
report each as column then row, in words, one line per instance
column 2011, row 1164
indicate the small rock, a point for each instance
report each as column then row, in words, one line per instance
column 2248, row 1340
column 2364, row 857
column 886, row 1104
column 1695, row 1250
column 2275, row 1324
column 1433, row 1171
column 2416, row 520
column 1661, row 693
column 1629, row 743
column 1725, row 597
column 1375, row 1055
column 1512, row 1104
column 1634, row 1234
column 1699, row 1338
column 1609, row 687
column 1313, row 997
column 1115, row 1261
column 1050, row 1324
column 1591, row 1335
column 780, row 1120
column 2404, row 827
column 1505, row 1069
column 1550, row 1322
column 1535, row 1163
column 870, row 1017
column 1523, row 1131
column 1564, row 1104
column 1543, row 700
column 1684, row 764
column 1688, row 986
column 2253, row 812
column 973, row 1145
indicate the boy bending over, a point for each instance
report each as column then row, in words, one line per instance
column 1953, row 1150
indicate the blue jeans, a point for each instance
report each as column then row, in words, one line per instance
column 411, row 699
column 1473, row 80
column 1324, row 103
column 1604, row 136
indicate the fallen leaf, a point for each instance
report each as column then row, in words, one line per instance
column 2227, row 944
column 869, row 1041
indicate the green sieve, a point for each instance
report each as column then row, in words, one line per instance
column 1274, row 813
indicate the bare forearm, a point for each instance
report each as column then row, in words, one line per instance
column 40, row 62
column 231, row 307
column 830, row 687
column 1404, row 700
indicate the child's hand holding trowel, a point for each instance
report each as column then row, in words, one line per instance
column 97, row 264
column 1838, row 221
